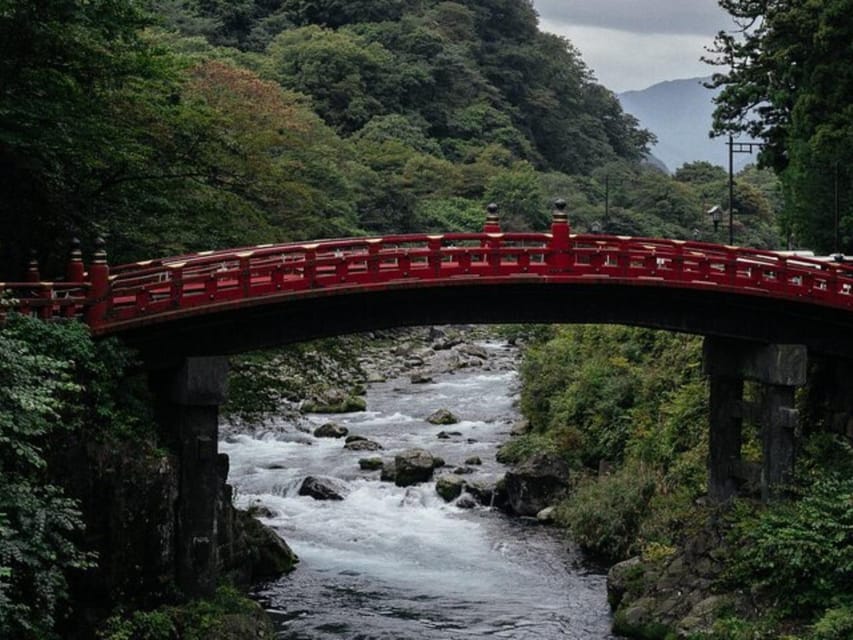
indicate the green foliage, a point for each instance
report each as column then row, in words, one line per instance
column 788, row 84
column 799, row 553
column 836, row 623
column 636, row 400
column 605, row 514
column 197, row 620
column 525, row 446
column 39, row 396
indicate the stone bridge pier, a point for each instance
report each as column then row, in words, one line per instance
column 780, row 369
column 187, row 400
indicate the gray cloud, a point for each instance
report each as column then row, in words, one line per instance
column 694, row 17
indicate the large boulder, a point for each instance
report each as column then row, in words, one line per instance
column 330, row 430
column 442, row 416
column 333, row 401
column 321, row 489
column 449, row 487
column 370, row 464
column 363, row 445
column 488, row 494
column 268, row 554
column 413, row 466
column 538, row 482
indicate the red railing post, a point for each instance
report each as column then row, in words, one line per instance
column 33, row 274
column 434, row 258
column 493, row 223
column 558, row 255
column 75, row 272
column 309, row 271
column 494, row 254
column 244, row 275
column 98, row 301
column 373, row 247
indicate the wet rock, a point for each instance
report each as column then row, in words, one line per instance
column 389, row 471
column 623, row 577
column 321, row 489
column 259, row 510
column 546, row 516
column 446, row 435
column 330, row 430
column 466, row 502
column 437, row 462
column 701, row 617
column 474, row 350
column 363, row 445
column 475, row 460
column 269, row 555
column 462, row 471
column 449, row 487
column 420, row 378
column 370, row 464
column 333, row 401
column 538, row 482
column 488, row 494
column 520, row 428
column 354, row 438
column 413, row 466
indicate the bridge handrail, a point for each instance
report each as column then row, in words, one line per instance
column 145, row 288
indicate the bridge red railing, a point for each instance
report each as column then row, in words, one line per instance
column 158, row 290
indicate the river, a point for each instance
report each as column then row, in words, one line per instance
column 396, row 563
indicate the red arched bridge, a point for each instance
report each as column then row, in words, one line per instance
column 231, row 300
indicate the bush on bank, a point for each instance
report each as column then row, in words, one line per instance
column 54, row 380
column 628, row 409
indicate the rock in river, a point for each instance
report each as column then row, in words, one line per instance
column 413, row 466
column 370, row 464
column 330, row 430
column 320, row 489
column 442, row 416
column 449, row 487
column 537, row 483
column 362, row 445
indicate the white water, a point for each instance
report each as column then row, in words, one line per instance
column 392, row 562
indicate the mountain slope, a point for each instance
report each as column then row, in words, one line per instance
column 679, row 113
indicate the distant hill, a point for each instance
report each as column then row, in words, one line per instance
column 679, row 112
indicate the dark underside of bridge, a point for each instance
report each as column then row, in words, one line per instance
column 268, row 322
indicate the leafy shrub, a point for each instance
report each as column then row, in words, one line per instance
column 799, row 553
column 604, row 514
column 38, row 397
column 835, row 624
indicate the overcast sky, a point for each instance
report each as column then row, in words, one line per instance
column 633, row 44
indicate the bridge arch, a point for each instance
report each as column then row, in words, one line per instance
column 224, row 302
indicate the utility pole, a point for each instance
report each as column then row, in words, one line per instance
column 736, row 147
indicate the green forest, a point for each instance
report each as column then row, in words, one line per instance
column 174, row 126
column 168, row 126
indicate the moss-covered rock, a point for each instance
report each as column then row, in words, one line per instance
column 442, row 416
column 449, row 487
column 370, row 464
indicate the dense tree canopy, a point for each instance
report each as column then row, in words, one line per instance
column 788, row 82
column 205, row 123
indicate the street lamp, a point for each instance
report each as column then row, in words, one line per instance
column 596, row 227
column 716, row 216
column 736, row 147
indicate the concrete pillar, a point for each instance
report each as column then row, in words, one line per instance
column 725, row 436
column 188, row 399
column 777, row 440
column 781, row 368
